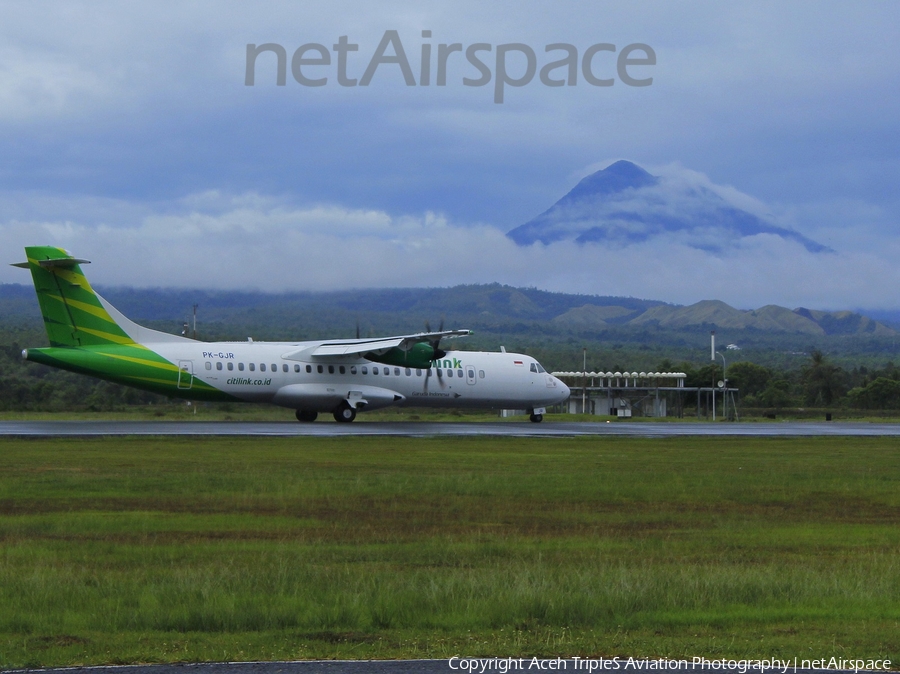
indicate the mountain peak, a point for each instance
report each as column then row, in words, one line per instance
column 623, row 205
column 617, row 177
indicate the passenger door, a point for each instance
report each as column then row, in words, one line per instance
column 185, row 374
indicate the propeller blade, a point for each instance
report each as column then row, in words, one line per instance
column 436, row 343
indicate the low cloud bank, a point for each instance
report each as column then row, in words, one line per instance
column 249, row 241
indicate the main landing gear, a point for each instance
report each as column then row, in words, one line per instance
column 536, row 418
column 344, row 413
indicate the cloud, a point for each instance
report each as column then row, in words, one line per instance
column 34, row 87
column 244, row 241
column 110, row 113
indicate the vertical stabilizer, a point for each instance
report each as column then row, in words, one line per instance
column 73, row 313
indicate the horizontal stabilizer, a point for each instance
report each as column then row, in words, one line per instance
column 61, row 262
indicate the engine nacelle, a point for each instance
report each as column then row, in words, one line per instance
column 420, row 356
column 325, row 397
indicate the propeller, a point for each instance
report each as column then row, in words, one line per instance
column 435, row 343
column 437, row 374
column 438, row 354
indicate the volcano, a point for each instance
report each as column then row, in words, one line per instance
column 623, row 204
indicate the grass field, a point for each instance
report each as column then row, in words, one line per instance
column 158, row 550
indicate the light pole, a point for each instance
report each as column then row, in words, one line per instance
column 725, row 387
column 712, row 357
column 583, row 380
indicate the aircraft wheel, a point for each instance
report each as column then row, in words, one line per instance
column 307, row 416
column 536, row 418
column 344, row 413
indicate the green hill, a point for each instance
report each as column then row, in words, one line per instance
column 553, row 325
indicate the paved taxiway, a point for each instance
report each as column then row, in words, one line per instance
column 425, row 429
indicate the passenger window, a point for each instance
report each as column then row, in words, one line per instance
column 208, row 365
column 319, row 369
column 285, row 367
column 353, row 369
column 387, row 371
column 408, row 372
column 230, row 365
column 449, row 373
column 470, row 373
column 262, row 367
column 396, row 371
column 365, row 370
column 252, row 367
column 418, row 372
column 481, row 374
column 241, row 367
column 331, row 369
column 274, row 367
column 342, row 369
column 459, row 374
column 440, row 372
column 308, row 369
column 374, row 370
column 296, row 368
column 219, row 365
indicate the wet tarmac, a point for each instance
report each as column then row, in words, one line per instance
column 455, row 429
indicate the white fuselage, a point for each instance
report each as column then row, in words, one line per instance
column 279, row 373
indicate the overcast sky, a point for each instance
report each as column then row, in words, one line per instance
column 129, row 137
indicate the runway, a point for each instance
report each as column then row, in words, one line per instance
column 47, row 429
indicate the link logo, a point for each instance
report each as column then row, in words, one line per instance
column 448, row 364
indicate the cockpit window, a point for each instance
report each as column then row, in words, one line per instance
column 534, row 367
column 540, row 368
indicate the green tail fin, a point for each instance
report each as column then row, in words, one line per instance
column 73, row 313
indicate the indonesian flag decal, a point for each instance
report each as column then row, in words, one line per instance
column 519, row 363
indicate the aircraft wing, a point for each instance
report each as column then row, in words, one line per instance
column 358, row 347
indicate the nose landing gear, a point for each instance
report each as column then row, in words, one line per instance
column 306, row 416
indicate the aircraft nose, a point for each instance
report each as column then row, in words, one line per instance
column 564, row 391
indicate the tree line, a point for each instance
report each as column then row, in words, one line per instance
column 818, row 383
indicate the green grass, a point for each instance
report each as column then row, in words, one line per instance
column 157, row 550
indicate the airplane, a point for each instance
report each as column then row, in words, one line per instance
column 342, row 376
